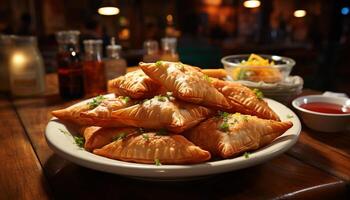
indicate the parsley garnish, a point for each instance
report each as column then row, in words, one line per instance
column 224, row 115
column 64, row 132
column 289, row 116
column 159, row 63
column 245, row 118
column 80, row 141
column 96, row 101
column 224, row 127
column 162, row 131
column 145, row 136
column 246, row 155
column 119, row 137
column 258, row 93
column 207, row 78
column 126, row 99
column 157, row 162
column 161, row 98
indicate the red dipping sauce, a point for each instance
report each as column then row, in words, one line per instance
column 323, row 107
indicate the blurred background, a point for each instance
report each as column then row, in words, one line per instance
column 314, row 32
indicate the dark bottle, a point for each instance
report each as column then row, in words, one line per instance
column 94, row 71
column 70, row 68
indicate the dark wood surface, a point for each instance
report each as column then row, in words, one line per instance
column 317, row 167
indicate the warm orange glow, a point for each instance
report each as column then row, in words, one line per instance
column 169, row 19
column 212, row 2
column 299, row 13
column 251, row 3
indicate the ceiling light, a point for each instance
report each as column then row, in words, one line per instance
column 108, row 11
column 251, row 3
column 299, row 13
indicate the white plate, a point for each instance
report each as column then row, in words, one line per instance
column 64, row 145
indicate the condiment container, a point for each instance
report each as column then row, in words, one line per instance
column 115, row 65
column 70, row 68
column 94, row 70
column 151, row 48
column 169, row 50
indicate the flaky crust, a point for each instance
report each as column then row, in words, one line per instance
column 244, row 100
column 147, row 147
column 162, row 112
column 97, row 137
column 134, row 84
column 101, row 115
column 245, row 133
column 187, row 83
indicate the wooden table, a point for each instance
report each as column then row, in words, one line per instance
column 317, row 167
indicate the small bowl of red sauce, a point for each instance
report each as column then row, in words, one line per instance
column 324, row 113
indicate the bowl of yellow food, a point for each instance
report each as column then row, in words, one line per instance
column 258, row 68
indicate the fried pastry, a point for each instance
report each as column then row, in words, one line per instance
column 134, row 84
column 153, row 148
column 244, row 100
column 187, row 83
column 101, row 115
column 97, row 137
column 72, row 113
column 162, row 112
column 232, row 134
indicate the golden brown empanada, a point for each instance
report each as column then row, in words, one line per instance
column 101, row 115
column 233, row 134
column 153, row 148
column 134, row 84
column 97, row 137
column 162, row 112
column 72, row 113
column 244, row 100
column 186, row 83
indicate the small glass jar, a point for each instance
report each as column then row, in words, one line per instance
column 94, row 70
column 70, row 68
column 151, row 48
column 169, row 50
column 115, row 65
column 26, row 67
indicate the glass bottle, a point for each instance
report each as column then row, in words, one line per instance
column 26, row 67
column 70, row 68
column 169, row 50
column 151, row 48
column 115, row 65
column 94, row 71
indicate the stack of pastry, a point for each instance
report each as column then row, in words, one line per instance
column 173, row 113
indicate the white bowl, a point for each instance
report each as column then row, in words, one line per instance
column 323, row 122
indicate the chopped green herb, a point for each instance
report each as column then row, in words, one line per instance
column 246, row 155
column 224, row 127
column 207, row 78
column 223, row 114
column 145, row 136
column 162, row 131
column 289, row 116
column 96, row 101
column 242, row 74
column 126, row 99
column 159, row 63
column 157, row 162
column 245, row 118
column 80, row 141
column 161, row 98
column 258, row 93
column 64, row 132
column 120, row 136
